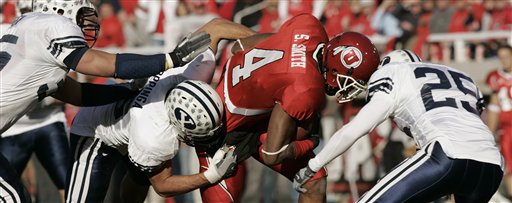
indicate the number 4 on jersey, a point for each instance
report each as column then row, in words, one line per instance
column 253, row 60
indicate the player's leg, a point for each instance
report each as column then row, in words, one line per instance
column 480, row 182
column 426, row 176
column 17, row 150
column 52, row 150
column 89, row 176
column 227, row 190
column 11, row 188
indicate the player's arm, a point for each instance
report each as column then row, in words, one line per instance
column 372, row 114
column 249, row 42
column 220, row 29
column 128, row 66
column 166, row 184
column 278, row 145
column 86, row 94
column 493, row 113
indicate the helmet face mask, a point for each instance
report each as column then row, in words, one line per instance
column 81, row 12
column 348, row 62
column 87, row 20
column 349, row 88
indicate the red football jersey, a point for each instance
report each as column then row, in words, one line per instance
column 500, row 82
column 281, row 69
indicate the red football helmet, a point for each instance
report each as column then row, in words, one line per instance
column 349, row 59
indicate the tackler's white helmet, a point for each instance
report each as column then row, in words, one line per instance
column 196, row 110
column 402, row 55
column 77, row 11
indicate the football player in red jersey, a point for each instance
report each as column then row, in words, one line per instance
column 274, row 87
column 500, row 108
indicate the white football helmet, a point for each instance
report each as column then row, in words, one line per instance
column 77, row 11
column 25, row 5
column 402, row 55
column 196, row 110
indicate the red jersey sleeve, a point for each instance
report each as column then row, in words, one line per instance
column 302, row 103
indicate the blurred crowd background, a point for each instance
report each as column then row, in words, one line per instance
column 465, row 34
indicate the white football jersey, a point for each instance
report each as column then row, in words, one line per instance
column 43, row 114
column 432, row 102
column 142, row 124
column 32, row 66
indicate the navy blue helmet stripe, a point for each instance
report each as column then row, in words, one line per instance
column 206, row 95
column 200, row 100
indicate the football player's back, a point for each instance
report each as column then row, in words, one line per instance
column 436, row 102
column 281, row 69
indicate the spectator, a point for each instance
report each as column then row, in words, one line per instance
column 440, row 24
column 501, row 18
column 463, row 19
column 499, row 118
column 408, row 14
column 385, row 22
column 133, row 23
column 335, row 12
column 111, row 33
column 198, row 12
column 8, row 11
column 442, row 12
column 358, row 19
column 288, row 9
column 423, row 27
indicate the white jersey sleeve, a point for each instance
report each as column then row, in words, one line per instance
column 64, row 36
column 32, row 61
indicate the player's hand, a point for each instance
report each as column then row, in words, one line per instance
column 222, row 166
column 188, row 49
column 301, row 178
column 245, row 143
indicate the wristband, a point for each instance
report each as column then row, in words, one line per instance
column 212, row 176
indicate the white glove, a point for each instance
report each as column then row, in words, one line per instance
column 222, row 165
column 301, row 178
column 188, row 49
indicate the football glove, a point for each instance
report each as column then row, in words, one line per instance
column 222, row 166
column 301, row 178
column 188, row 49
column 245, row 143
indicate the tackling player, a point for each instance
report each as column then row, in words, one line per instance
column 147, row 130
column 275, row 85
column 499, row 118
column 440, row 108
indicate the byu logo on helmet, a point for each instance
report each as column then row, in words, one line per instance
column 185, row 119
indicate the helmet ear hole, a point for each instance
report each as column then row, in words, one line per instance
column 60, row 11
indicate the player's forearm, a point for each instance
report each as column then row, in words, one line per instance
column 223, row 29
column 176, row 185
column 370, row 116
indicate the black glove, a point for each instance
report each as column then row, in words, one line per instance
column 188, row 49
column 245, row 143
